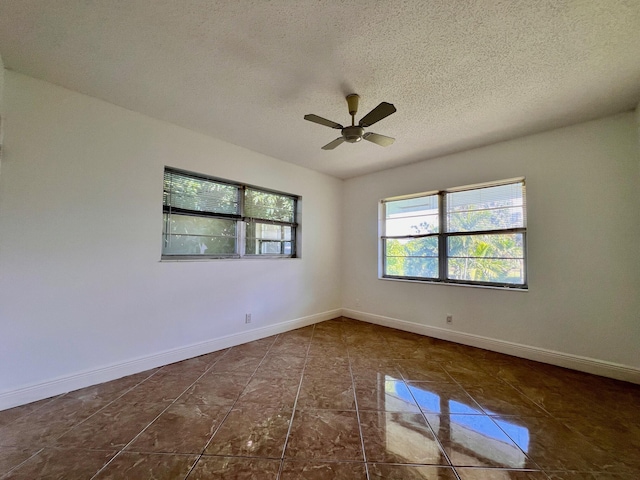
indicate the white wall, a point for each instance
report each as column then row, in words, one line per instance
column 638, row 129
column 84, row 298
column 1, row 81
column 1, row 108
column 583, row 236
column 81, row 284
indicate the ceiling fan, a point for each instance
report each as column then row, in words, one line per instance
column 355, row 133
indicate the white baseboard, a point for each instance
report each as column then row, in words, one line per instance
column 68, row 383
column 567, row 360
column 86, row 378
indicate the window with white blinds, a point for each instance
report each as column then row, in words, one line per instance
column 469, row 235
column 214, row 218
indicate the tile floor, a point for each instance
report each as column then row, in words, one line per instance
column 339, row 400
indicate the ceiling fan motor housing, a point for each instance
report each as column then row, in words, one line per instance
column 352, row 134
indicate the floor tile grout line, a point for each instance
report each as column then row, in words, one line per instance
column 484, row 412
column 104, row 406
column 215, row 431
column 319, row 334
column 541, row 407
column 435, row 436
column 82, row 421
column 295, row 404
column 7, row 473
column 122, row 450
column 21, row 417
column 550, row 414
column 355, row 400
column 421, row 412
column 531, row 400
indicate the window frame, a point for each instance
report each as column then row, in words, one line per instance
column 443, row 237
column 239, row 217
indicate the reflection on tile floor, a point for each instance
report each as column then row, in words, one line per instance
column 339, row 400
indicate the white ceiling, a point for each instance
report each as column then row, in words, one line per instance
column 461, row 73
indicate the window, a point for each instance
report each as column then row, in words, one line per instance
column 213, row 218
column 473, row 235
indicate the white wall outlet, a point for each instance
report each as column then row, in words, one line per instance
column 449, row 318
column 247, row 318
column 358, row 304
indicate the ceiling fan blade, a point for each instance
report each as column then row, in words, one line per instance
column 381, row 140
column 323, row 121
column 334, row 144
column 381, row 111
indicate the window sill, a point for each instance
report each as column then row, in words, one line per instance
column 174, row 259
column 454, row 284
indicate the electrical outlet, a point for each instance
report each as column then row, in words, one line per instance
column 449, row 318
column 358, row 304
column 247, row 318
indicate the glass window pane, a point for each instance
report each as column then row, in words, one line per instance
column 190, row 225
column 422, row 267
column 489, row 208
column 268, row 239
column 491, row 257
column 187, row 235
column 201, row 216
column 487, row 258
column 412, row 257
column 269, row 206
column 189, row 193
column 198, row 245
column 270, row 248
column 414, row 216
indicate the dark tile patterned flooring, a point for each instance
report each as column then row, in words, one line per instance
column 339, row 400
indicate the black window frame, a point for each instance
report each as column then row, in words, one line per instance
column 239, row 217
column 443, row 238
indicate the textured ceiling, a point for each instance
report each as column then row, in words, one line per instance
column 461, row 73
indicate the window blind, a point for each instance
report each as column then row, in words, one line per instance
column 192, row 194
